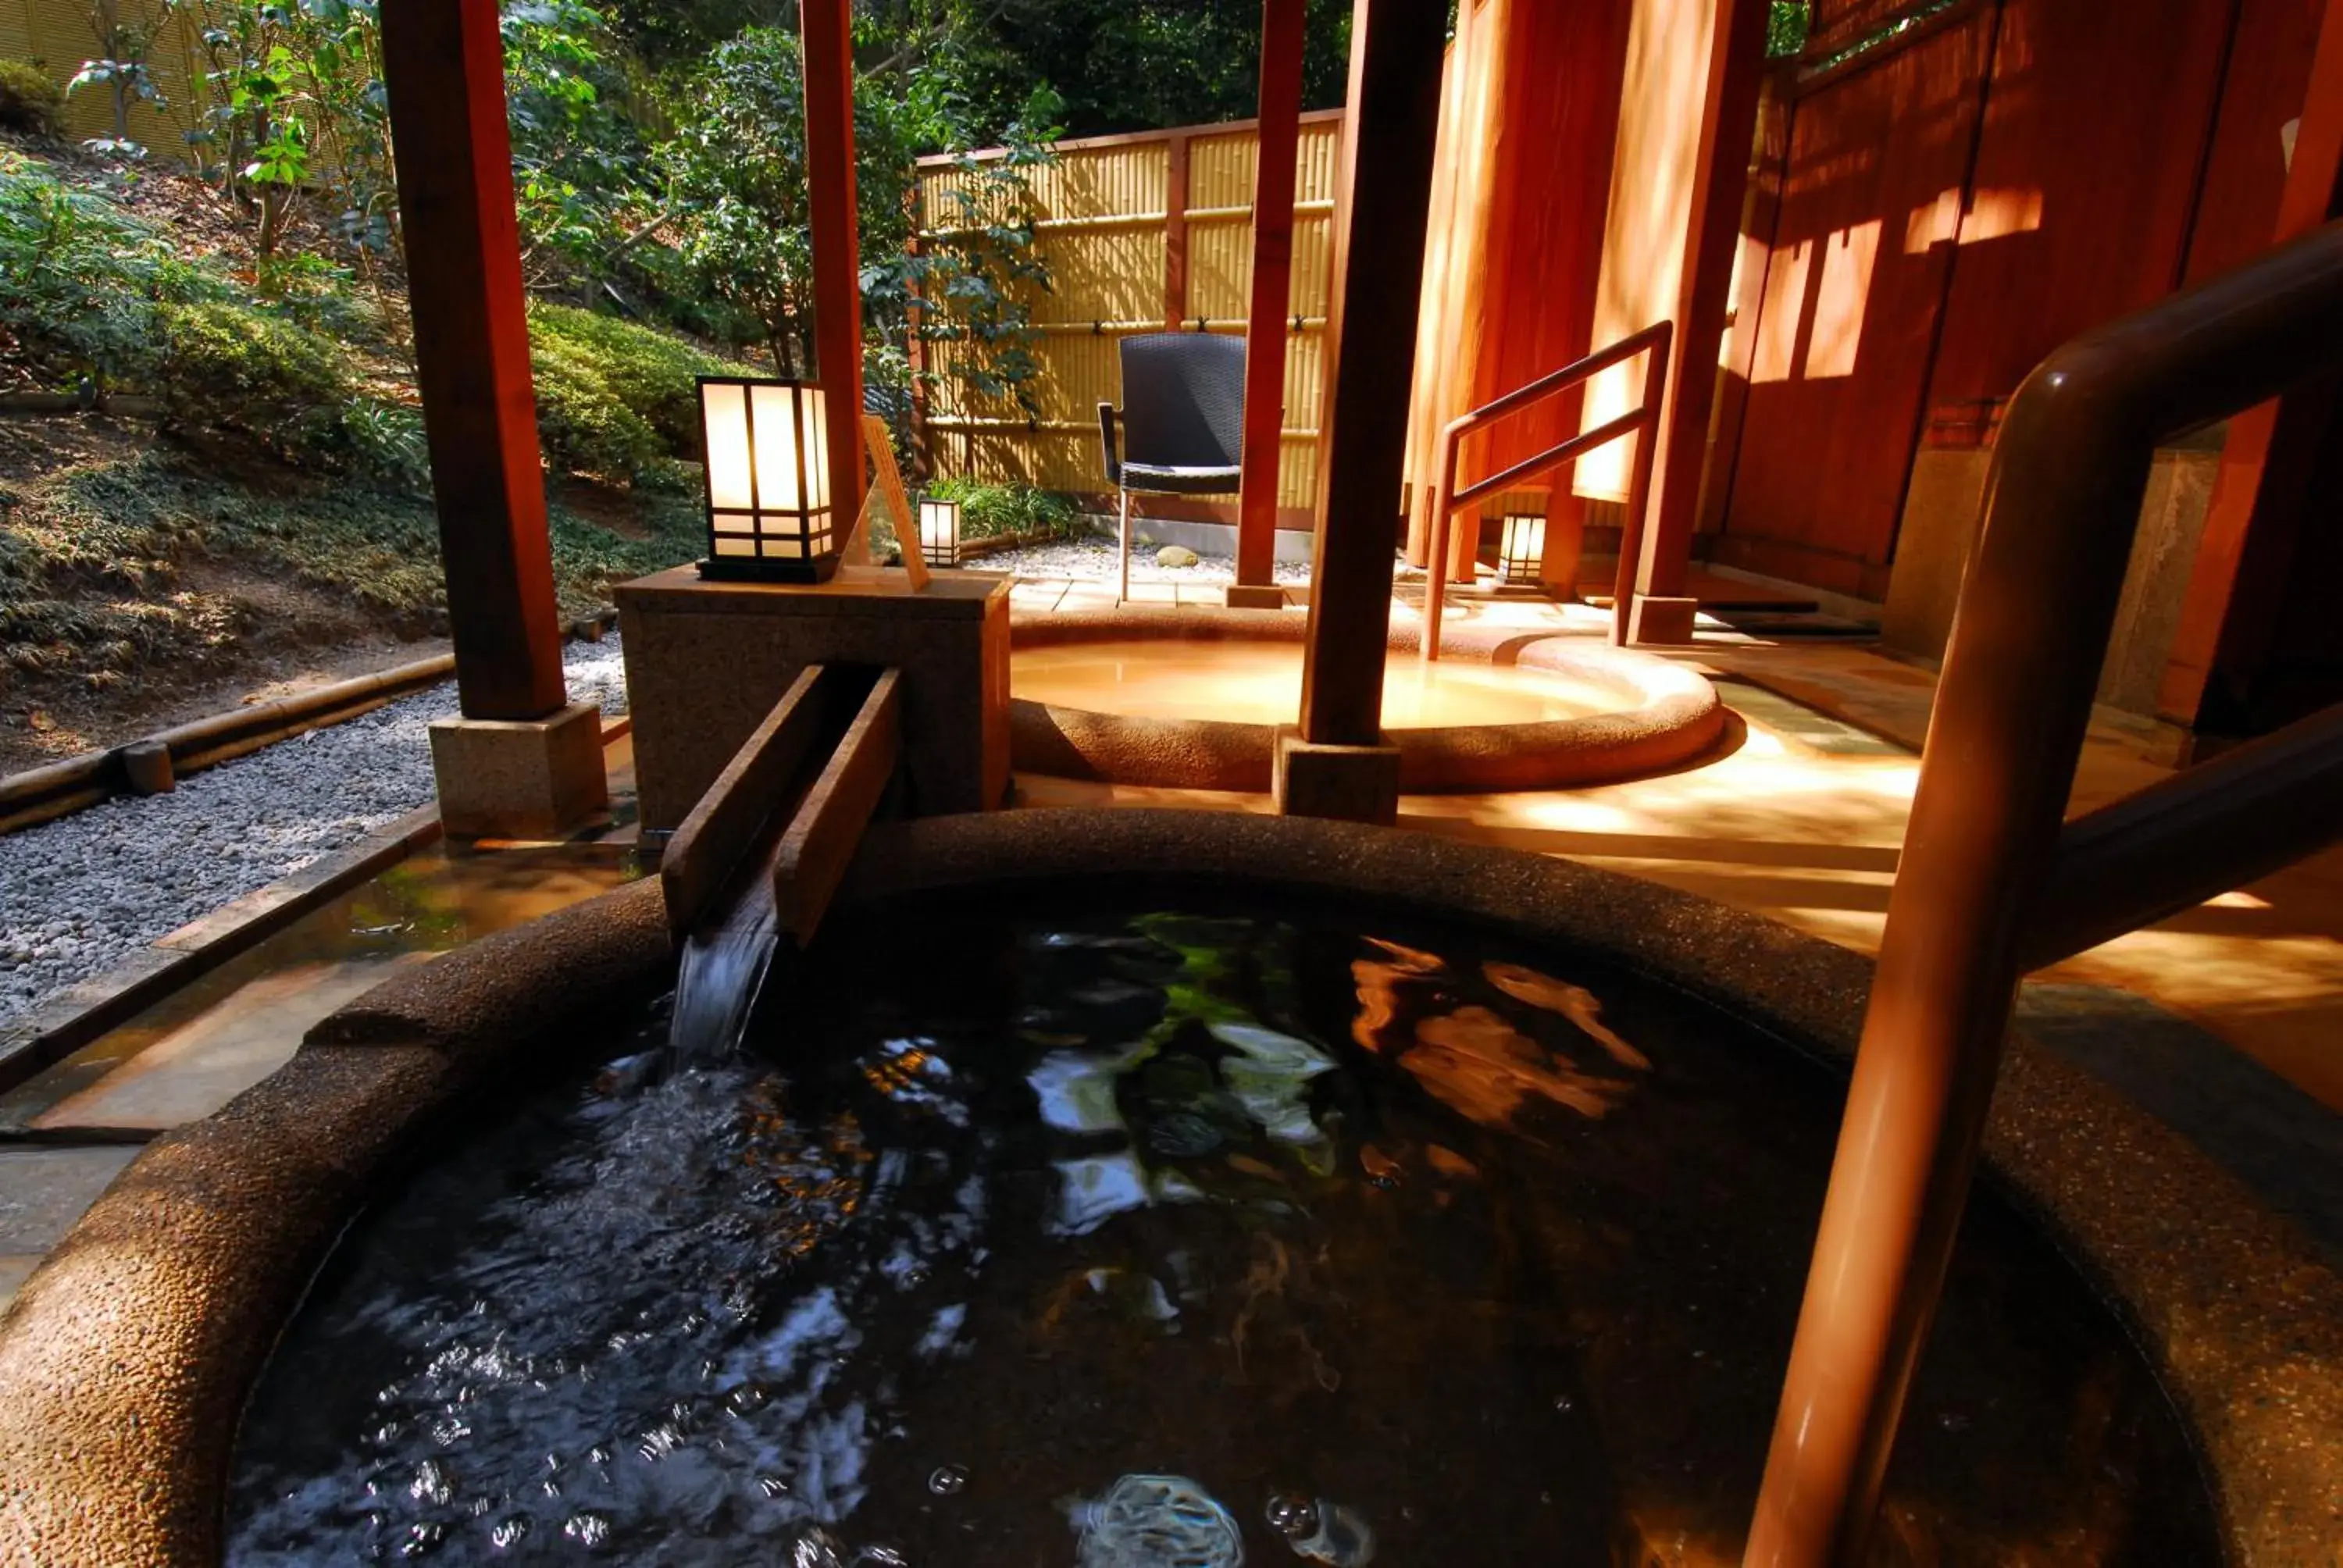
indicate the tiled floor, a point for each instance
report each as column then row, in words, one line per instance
column 1799, row 816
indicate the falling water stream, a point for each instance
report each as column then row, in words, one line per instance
column 725, row 965
column 1103, row 1239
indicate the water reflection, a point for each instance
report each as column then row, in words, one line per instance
column 1178, row 1230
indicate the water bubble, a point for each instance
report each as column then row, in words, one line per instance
column 1563, row 1403
column 880, row 1557
column 588, row 1530
column 422, row 1540
column 1322, row 1532
column 772, row 1486
column 598, row 1455
column 1292, row 1514
column 948, row 1480
column 508, row 1531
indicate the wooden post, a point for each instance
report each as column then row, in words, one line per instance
column 1383, row 199
column 1728, row 130
column 444, row 69
column 2262, row 496
column 827, row 33
column 1279, row 139
column 1175, row 231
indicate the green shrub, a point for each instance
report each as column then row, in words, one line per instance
column 233, row 368
column 988, row 510
column 29, row 101
column 653, row 374
column 583, row 423
column 385, row 441
column 79, row 278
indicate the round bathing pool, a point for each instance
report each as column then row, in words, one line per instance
column 1247, row 682
column 1053, row 1234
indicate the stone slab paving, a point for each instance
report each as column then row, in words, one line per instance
column 41, row 1193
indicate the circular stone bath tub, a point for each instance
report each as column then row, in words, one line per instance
column 128, row 1360
column 1651, row 715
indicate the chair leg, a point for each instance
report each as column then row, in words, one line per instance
column 1122, row 562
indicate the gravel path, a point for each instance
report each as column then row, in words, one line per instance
column 1093, row 556
column 79, row 894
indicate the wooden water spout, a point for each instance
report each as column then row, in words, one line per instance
column 758, row 858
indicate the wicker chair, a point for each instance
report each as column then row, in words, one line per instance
column 1182, row 420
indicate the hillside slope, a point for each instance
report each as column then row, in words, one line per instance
column 246, row 498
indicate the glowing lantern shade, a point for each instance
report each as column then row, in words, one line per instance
column 1521, row 550
column 939, row 531
column 769, row 491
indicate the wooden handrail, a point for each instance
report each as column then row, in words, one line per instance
column 1992, row 882
column 1447, row 500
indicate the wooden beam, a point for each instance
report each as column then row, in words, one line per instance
column 1175, row 231
column 1266, row 321
column 443, row 68
column 826, row 28
column 2261, row 495
column 1383, row 199
column 1728, row 130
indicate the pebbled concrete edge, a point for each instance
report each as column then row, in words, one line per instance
column 1676, row 714
column 126, row 1359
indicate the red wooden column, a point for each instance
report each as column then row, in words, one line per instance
column 444, row 68
column 826, row 31
column 1383, row 199
column 1272, row 273
column 1662, row 611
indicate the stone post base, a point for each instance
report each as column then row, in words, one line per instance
column 1660, row 620
column 1255, row 595
column 520, row 778
column 1346, row 783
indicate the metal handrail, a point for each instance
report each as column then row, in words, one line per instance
column 1993, row 882
column 1447, row 500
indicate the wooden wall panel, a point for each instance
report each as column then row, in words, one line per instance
column 2088, row 166
column 2268, row 75
column 1854, row 284
column 1516, row 244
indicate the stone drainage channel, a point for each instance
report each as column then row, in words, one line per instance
column 106, row 914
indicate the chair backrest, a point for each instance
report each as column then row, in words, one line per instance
column 1183, row 399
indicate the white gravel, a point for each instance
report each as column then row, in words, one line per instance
column 80, row 894
column 1093, row 556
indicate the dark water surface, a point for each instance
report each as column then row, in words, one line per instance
column 1141, row 1241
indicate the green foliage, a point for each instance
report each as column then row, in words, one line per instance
column 297, row 105
column 1786, row 29
column 80, row 279
column 29, row 101
column 227, row 366
column 987, row 511
column 580, row 162
column 1119, row 64
column 615, row 400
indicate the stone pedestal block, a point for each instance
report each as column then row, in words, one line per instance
column 1651, row 620
column 1255, row 595
column 520, row 778
column 706, row 661
column 1346, row 783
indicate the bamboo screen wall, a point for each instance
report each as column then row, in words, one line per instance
column 59, row 34
column 1141, row 233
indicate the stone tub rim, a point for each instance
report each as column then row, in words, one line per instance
column 126, row 1359
column 1674, row 716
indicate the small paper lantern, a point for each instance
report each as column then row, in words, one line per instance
column 939, row 531
column 769, row 516
column 1521, row 550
